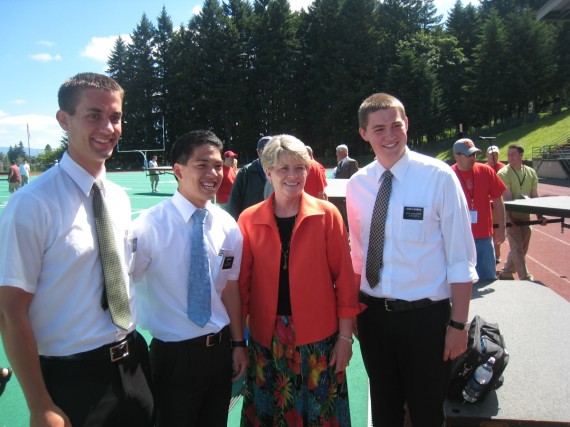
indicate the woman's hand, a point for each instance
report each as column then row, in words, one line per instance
column 342, row 353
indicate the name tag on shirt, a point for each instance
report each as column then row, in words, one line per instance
column 473, row 215
column 414, row 213
column 227, row 259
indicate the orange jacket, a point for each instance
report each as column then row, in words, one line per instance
column 321, row 278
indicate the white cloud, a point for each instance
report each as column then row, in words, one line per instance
column 45, row 43
column 19, row 101
column 46, row 57
column 43, row 130
column 300, row 4
column 197, row 10
column 100, row 48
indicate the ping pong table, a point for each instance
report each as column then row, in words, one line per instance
column 557, row 206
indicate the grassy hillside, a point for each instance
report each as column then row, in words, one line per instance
column 537, row 134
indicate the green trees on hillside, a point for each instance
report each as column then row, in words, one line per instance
column 245, row 69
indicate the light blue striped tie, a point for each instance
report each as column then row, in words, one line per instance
column 199, row 294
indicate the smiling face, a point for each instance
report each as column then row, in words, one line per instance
column 386, row 131
column 94, row 129
column 201, row 176
column 288, row 177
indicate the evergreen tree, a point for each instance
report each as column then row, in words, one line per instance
column 531, row 65
column 141, row 117
column 489, row 78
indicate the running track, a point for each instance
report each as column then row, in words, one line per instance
column 548, row 257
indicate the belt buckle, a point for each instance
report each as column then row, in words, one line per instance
column 119, row 351
column 211, row 339
column 387, row 305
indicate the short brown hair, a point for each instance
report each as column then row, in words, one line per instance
column 378, row 101
column 69, row 91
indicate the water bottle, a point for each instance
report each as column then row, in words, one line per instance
column 478, row 381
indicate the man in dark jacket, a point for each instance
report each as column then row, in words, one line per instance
column 249, row 184
column 346, row 166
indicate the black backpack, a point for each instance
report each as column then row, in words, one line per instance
column 484, row 341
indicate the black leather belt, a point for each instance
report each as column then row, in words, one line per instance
column 391, row 304
column 112, row 352
column 209, row 340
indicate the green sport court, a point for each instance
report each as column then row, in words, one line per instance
column 13, row 408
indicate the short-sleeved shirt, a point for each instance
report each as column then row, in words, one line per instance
column 52, row 252
column 521, row 184
column 428, row 242
column 223, row 194
column 162, row 263
column 480, row 185
column 316, row 179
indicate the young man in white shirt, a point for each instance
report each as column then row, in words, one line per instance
column 75, row 365
column 193, row 362
column 417, row 309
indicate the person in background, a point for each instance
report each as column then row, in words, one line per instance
column 249, row 185
column 346, row 166
column 300, row 297
column 494, row 163
column 5, row 375
column 522, row 183
column 493, row 158
column 316, row 178
column 418, row 294
column 191, row 352
column 483, row 192
column 223, row 194
column 153, row 174
column 25, row 172
column 76, row 363
column 14, row 177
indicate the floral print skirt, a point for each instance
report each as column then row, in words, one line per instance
column 290, row 385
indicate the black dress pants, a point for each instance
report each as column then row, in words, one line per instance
column 193, row 381
column 403, row 356
column 94, row 391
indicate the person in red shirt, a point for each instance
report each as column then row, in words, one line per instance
column 230, row 170
column 316, row 178
column 481, row 185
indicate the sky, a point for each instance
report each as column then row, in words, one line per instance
column 44, row 42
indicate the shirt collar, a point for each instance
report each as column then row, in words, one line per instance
column 80, row 176
column 398, row 170
column 186, row 208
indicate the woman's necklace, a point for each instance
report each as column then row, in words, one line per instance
column 285, row 248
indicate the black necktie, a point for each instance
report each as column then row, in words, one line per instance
column 375, row 254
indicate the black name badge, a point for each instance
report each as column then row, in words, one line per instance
column 227, row 262
column 414, row 213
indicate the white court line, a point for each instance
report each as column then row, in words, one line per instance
column 546, row 268
column 369, row 410
column 537, row 229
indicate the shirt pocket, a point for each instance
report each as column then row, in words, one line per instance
column 413, row 228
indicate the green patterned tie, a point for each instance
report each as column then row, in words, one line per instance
column 115, row 292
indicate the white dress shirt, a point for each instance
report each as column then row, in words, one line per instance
column 52, row 251
column 162, row 262
column 428, row 242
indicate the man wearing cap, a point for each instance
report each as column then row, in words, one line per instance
column 481, row 185
column 223, row 194
column 522, row 183
column 249, row 184
column 494, row 163
column 493, row 158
